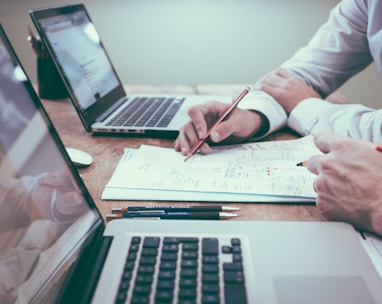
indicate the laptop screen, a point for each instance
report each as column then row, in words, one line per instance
column 77, row 48
column 45, row 210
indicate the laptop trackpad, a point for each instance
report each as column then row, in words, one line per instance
column 322, row 289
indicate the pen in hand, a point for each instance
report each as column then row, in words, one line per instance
column 221, row 118
column 305, row 163
column 302, row 164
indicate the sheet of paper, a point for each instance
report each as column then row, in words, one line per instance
column 265, row 169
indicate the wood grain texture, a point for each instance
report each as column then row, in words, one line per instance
column 107, row 151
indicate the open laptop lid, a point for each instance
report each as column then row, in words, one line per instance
column 46, row 213
column 90, row 78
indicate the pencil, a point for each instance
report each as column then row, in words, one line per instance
column 221, row 118
column 302, row 164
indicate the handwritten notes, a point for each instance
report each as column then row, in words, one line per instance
column 264, row 171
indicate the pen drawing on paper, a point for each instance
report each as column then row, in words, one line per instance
column 255, row 168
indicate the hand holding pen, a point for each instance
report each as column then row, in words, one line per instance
column 224, row 116
column 217, row 122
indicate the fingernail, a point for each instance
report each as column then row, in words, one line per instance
column 215, row 136
column 183, row 150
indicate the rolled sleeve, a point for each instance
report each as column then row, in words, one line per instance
column 265, row 104
column 306, row 115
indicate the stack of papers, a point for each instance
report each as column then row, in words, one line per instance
column 251, row 172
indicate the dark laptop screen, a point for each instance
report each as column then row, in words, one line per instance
column 44, row 210
column 77, row 49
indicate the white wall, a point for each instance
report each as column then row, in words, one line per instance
column 196, row 41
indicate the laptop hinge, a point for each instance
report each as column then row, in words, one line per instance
column 88, row 269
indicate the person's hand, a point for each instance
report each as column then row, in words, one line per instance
column 348, row 183
column 240, row 125
column 287, row 89
column 57, row 197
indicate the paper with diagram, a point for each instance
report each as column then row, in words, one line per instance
column 251, row 172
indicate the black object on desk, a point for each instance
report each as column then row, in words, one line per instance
column 50, row 85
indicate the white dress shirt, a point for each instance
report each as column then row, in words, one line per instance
column 346, row 44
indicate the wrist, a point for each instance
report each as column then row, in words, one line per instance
column 261, row 124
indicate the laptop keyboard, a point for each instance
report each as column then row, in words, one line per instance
column 182, row 270
column 147, row 112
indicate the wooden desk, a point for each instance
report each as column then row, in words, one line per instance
column 107, row 151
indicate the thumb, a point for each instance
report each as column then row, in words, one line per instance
column 221, row 131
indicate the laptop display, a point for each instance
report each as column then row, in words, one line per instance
column 45, row 211
column 93, row 84
column 55, row 248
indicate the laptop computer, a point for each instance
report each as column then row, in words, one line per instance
column 55, row 247
column 92, row 82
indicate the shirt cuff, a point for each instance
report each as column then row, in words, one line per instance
column 305, row 116
column 265, row 104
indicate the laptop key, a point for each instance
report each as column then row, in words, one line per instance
column 170, row 113
column 210, row 246
column 234, row 293
column 196, row 282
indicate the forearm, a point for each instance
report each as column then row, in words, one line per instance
column 15, row 203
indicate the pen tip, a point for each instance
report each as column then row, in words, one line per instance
column 229, row 208
column 226, row 215
column 110, row 217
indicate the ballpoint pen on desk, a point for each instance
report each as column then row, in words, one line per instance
column 173, row 215
column 221, row 118
column 175, row 209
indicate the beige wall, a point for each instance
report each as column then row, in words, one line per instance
column 196, row 41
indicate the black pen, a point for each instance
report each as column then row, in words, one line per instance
column 174, row 215
column 175, row 209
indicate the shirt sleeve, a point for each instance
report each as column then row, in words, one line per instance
column 354, row 120
column 264, row 103
column 337, row 51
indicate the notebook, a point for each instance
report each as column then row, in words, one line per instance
column 55, row 247
column 94, row 86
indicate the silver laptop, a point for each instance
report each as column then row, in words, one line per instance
column 94, row 86
column 55, row 247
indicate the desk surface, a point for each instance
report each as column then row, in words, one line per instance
column 107, row 151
